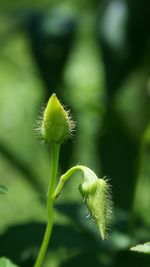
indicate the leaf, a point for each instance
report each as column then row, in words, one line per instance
column 6, row 263
column 3, row 189
column 142, row 248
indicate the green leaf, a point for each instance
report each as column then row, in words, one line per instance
column 142, row 248
column 6, row 263
column 3, row 189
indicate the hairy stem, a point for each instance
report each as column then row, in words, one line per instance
column 54, row 168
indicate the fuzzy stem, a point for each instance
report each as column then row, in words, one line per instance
column 54, row 168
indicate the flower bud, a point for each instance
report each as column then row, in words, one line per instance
column 56, row 124
column 95, row 194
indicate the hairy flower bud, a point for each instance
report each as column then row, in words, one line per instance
column 96, row 195
column 56, row 124
column 97, row 199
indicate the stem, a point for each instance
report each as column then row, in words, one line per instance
column 63, row 179
column 54, row 168
column 45, row 242
column 89, row 175
column 55, row 148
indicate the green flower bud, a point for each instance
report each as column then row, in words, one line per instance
column 96, row 196
column 56, row 123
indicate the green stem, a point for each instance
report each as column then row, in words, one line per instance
column 63, row 179
column 88, row 175
column 54, row 168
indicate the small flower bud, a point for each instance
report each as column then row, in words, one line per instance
column 95, row 194
column 56, row 124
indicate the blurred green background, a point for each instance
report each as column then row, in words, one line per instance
column 96, row 56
